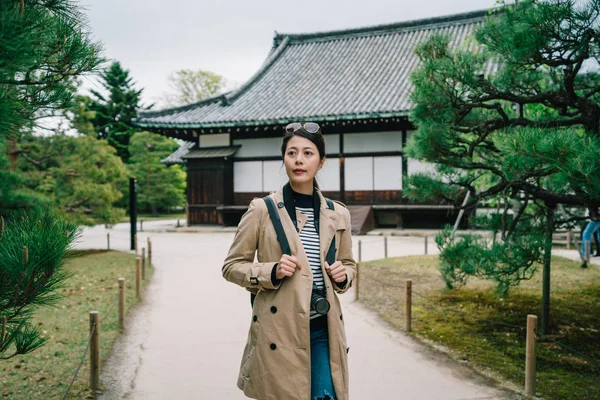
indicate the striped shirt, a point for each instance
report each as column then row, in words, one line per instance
column 310, row 241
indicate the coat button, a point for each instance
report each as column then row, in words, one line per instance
column 341, row 317
column 273, row 346
column 273, row 309
column 280, row 205
column 255, row 318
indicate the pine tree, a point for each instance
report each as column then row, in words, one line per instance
column 115, row 110
column 33, row 250
column 44, row 46
column 524, row 138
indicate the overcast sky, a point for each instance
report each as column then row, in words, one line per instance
column 152, row 38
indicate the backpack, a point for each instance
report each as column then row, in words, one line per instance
column 282, row 239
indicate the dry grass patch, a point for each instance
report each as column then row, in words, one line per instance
column 477, row 327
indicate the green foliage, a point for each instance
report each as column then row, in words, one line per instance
column 189, row 86
column 158, row 187
column 79, row 175
column 81, row 115
column 514, row 118
column 114, row 111
column 27, row 282
column 505, row 262
column 44, row 45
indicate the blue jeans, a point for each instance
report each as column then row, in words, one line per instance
column 590, row 230
column 320, row 371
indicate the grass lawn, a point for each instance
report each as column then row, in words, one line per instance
column 47, row 372
column 462, row 321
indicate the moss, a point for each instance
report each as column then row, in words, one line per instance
column 489, row 333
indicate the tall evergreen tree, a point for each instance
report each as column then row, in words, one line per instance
column 44, row 46
column 525, row 136
column 115, row 110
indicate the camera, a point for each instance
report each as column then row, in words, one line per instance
column 318, row 302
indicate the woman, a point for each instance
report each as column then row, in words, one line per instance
column 294, row 352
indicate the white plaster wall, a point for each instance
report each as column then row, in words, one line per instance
column 332, row 144
column 274, row 175
column 218, row 140
column 359, row 173
column 329, row 176
column 247, row 176
column 372, row 142
column 388, row 173
column 263, row 147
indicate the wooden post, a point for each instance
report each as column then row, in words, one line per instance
column 108, row 241
column 94, row 351
column 135, row 243
column 25, row 255
column 122, row 304
column 568, row 239
column 178, row 224
column 530, row 355
column 143, row 263
column 426, row 243
column 357, row 282
column 141, row 225
column 385, row 247
column 407, row 305
column 149, row 253
column 138, row 277
column 588, row 250
column 357, row 278
column 359, row 251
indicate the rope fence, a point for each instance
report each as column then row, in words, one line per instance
column 93, row 341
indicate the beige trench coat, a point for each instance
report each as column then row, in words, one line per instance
column 276, row 360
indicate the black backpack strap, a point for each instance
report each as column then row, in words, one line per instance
column 331, row 251
column 281, row 238
column 276, row 220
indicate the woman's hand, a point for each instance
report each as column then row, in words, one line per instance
column 336, row 271
column 287, row 266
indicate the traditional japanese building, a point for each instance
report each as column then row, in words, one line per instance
column 355, row 84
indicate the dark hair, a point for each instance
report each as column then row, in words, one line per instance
column 316, row 138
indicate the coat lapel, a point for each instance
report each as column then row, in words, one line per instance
column 328, row 225
column 291, row 233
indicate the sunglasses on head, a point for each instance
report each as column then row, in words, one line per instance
column 310, row 127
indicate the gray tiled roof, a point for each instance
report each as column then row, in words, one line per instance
column 215, row 152
column 339, row 75
column 175, row 157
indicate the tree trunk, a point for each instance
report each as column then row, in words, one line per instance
column 545, row 320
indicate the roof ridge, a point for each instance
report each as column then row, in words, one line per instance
column 271, row 58
column 440, row 21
